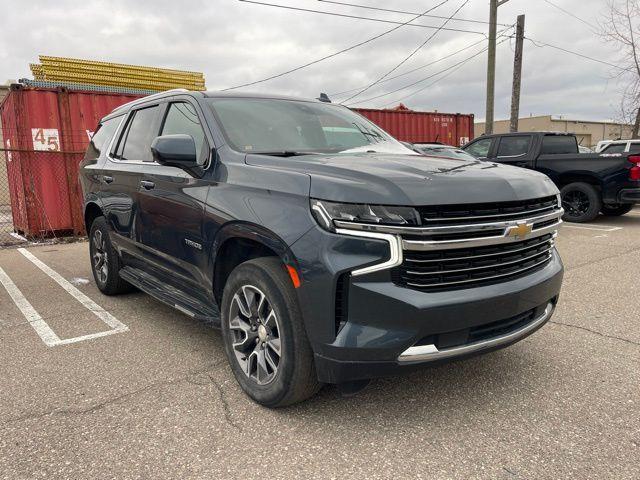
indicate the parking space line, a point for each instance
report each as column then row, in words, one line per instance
column 597, row 228
column 47, row 335
column 45, row 332
column 89, row 304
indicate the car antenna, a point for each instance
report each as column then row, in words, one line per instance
column 324, row 98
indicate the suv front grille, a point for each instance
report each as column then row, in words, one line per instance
column 464, row 268
column 487, row 212
column 462, row 246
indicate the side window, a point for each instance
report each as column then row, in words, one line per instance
column 514, row 146
column 480, row 149
column 182, row 118
column 616, row 148
column 102, row 137
column 634, row 148
column 558, row 144
column 135, row 143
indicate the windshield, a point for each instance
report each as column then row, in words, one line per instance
column 290, row 127
column 445, row 152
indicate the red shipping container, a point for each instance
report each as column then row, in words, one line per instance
column 47, row 132
column 422, row 127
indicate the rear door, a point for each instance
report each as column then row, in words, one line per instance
column 171, row 203
column 514, row 150
column 122, row 174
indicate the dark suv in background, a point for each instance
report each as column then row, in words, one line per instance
column 325, row 250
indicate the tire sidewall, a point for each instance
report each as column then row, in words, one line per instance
column 617, row 210
column 595, row 203
column 250, row 273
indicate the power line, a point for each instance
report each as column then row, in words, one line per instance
column 404, row 60
column 540, row 44
column 453, row 68
column 417, row 82
column 471, row 45
column 406, row 12
column 335, row 54
column 380, row 20
column 571, row 14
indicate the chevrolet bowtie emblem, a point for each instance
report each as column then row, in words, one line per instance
column 520, row 231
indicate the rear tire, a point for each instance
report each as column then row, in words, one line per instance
column 105, row 261
column 264, row 336
column 581, row 202
column 616, row 210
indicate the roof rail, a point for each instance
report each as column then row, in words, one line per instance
column 150, row 97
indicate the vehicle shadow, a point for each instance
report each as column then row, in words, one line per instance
column 473, row 384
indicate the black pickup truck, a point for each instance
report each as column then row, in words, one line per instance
column 590, row 183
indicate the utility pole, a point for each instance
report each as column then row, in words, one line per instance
column 491, row 63
column 517, row 75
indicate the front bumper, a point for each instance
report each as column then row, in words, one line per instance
column 388, row 329
column 629, row 195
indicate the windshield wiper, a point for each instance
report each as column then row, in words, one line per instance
column 376, row 136
column 285, row 153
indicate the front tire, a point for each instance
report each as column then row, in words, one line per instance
column 105, row 261
column 581, row 202
column 264, row 336
column 616, row 210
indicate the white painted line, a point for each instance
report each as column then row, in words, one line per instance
column 597, row 228
column 89, row 304
column 45, row 332
column 47, row 335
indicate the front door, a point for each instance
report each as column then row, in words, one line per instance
column 171, row 206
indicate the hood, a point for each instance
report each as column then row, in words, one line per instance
column 386, row 179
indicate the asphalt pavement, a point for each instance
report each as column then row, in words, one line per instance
column 125, row 387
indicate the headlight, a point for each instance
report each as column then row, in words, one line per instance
column 559, row 199
column 326, row 212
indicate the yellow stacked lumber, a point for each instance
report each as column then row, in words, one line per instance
column 90, row 72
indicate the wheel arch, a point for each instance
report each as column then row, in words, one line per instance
column 577, row 176
column 91, row 211
column 239, row 242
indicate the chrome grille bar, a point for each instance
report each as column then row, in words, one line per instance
column 424, row 245
column 497, row 265
column 482, row 279
column 471, row 257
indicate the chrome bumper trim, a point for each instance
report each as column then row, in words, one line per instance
column 429, row 353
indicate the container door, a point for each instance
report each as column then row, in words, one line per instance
column 171, row 205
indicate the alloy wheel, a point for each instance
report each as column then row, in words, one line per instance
column 99, row 256
column 576, row 203
column 255, row 334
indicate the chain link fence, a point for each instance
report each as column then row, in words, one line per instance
column 40, row 195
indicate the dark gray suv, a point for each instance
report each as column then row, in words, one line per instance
column 325, row 250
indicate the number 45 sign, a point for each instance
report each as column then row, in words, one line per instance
column 46, row 139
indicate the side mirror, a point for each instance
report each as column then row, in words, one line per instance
column 175, row 151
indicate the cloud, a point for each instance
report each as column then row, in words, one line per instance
column 234, row 42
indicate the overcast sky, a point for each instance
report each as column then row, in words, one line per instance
column 234, row 43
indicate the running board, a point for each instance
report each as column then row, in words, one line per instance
column 172, row 296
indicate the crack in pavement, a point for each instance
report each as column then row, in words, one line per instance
column 225, row 404
column 95, row 407
column 613, row 337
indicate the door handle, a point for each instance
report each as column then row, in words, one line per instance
column 107, row 179
column 147, row 185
